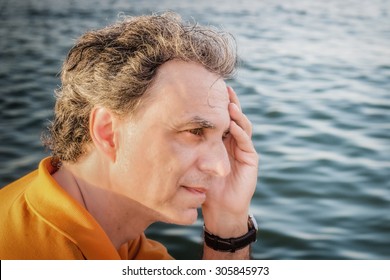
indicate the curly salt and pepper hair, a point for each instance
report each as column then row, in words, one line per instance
column 113, row 67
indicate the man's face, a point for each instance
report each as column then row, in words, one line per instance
column 174, row 152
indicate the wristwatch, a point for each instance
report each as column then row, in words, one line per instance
column 232, row 244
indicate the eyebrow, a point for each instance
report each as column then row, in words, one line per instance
column 201, row 122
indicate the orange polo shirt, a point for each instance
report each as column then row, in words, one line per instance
column 39, row 220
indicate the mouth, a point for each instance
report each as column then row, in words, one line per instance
column 197, row 191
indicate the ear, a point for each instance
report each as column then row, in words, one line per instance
column 102, row 131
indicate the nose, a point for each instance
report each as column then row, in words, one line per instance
column 215, row 160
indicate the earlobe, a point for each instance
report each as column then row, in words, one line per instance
column 101, row 128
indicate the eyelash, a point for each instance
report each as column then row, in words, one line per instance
column 225, row 135
column 200, row 132
column 196, row 131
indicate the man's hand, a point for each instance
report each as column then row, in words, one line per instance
column 226, row 209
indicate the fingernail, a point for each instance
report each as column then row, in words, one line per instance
column 235, row 107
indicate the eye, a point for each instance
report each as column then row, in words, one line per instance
column 225, row 134
column 196, row 131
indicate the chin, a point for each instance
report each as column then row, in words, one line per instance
column 185, row 217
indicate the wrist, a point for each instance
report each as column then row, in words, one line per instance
column 232, row 244
column 226, row 226
column 230, row 230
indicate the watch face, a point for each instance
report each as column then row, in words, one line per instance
column 254, row 222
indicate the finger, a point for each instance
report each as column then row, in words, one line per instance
column 240, row 118
column 244, row 144
column 233, row 97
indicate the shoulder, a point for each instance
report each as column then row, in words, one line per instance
column 143, row 248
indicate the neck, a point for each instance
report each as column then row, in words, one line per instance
column 122, row 218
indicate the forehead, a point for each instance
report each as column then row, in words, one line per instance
column 184, row 83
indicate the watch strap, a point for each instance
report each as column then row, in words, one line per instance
column 231, row 244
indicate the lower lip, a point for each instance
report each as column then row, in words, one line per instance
column 195, row 191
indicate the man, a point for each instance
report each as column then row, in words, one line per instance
column 145, row 130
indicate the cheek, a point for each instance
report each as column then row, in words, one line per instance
column 184, row 153
column 144, row 167
column 165, row 161
column 150, row 163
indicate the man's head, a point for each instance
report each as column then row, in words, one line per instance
column 169, row 158
column 116, row 66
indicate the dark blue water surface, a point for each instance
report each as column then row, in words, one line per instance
column 314, row 79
